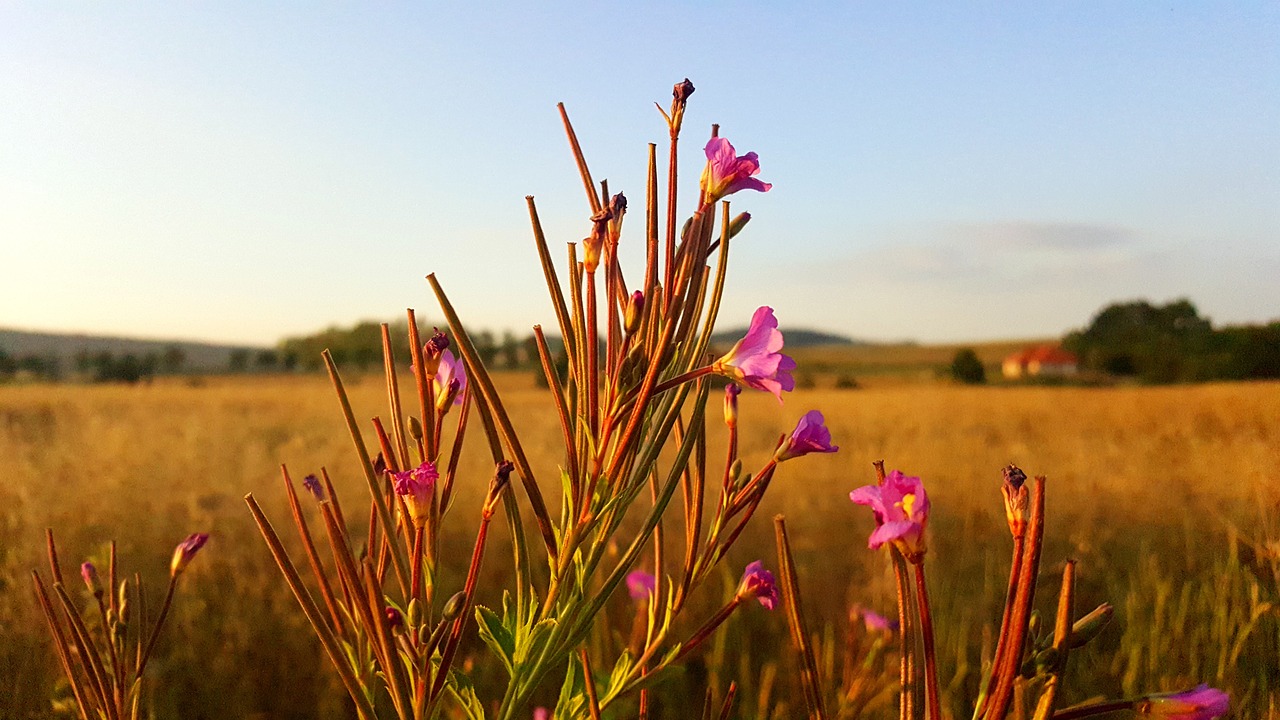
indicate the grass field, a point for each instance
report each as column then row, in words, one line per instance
column 1169, row 497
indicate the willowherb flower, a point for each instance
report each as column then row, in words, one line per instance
column 91, row 580
column 877, row 623
column 415, row 487
column 640, row 584
column 1199, row 703
column 313, row 486
column 901, row 508
column 185, row 551
column 726, row 172
column 1016, row 500
column 756, row 360
column 810, row 436
column 760, row 584
column 541, row 713
column 451, row 381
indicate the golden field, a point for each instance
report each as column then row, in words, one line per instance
column 1168, row 496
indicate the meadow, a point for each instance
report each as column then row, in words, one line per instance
column 1169, row 498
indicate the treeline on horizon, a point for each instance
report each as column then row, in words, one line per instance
column 1172, row 343
column 1132, row 340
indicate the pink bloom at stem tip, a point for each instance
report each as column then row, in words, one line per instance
column 416, row 487
column 810, row 436
column 541, row 713
column 1199, row 703
column 756, row 360
column 726, row 172
column 901, row 508
column 640, row 584
column 874, row 622
column 760, row 584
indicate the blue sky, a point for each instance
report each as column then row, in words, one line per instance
column 944, row 171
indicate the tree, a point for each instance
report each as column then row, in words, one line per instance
column 967, row 368
column 238, row 360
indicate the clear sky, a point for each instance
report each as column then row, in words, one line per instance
column 942, row 171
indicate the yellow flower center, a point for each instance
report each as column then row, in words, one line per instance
column 907, row 503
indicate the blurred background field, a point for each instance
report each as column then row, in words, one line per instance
column 1168, row 496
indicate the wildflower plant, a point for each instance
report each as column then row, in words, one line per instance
column 1027, row 673
column 104, row 650
column 632, row 410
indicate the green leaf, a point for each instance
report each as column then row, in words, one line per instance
column 573, row 692
column 530, row 648
column 621, row 669
column 497, row 637
column 463, row 692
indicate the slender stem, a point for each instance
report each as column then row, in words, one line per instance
column 707, row 628
column 593, row 702
column 796, row 623
column 1002, row 640
column 1061, row 643
column 1084, row 711
column 1022, row 605
column 907, row 679
column 155, row 631
column 926, row 631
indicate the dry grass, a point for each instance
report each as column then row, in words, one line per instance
column 1146, row 487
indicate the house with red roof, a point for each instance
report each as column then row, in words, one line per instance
column 1040, row 361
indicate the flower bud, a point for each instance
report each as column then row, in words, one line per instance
column 122, row 598
column 313, row 486
column 735, row 470
column 415, row 428
column 453, row 607
column 91, row 581
column 634, row 314
column 738, row 222
column 731, row 393
column 1088, row 627
column 395, row 619
column 432, row 350
column 445, row 400
column 185, row 551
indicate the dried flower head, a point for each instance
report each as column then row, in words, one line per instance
column 313, row 486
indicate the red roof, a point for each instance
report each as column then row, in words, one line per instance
column 1045, row 355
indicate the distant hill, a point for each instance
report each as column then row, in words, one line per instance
column 197, row 356
column 795, row 338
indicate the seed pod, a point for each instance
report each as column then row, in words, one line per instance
column 1088, row 627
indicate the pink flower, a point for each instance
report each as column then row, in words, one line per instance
column 1200, row 703
column 877, row 623
column 901, row 508
column 760, row 584
column 756, row 361
column 810, row 436
column 727, row 173
column 186, row 550
column 416, row 487
column 451, row 370
column 640, row 585
column 541, row 713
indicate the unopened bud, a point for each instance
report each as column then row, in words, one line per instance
column 735, row 470
column 91, row 581
column 731, row 393
column 738, row 222
column 122, row 599
column 415, row 428
column 1033, row 624
column 185, row 551
column 445, row 400
column 1089, row 626
column 1046, row 660
column 453, row 607
column 395, row 619
column 634, row 314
